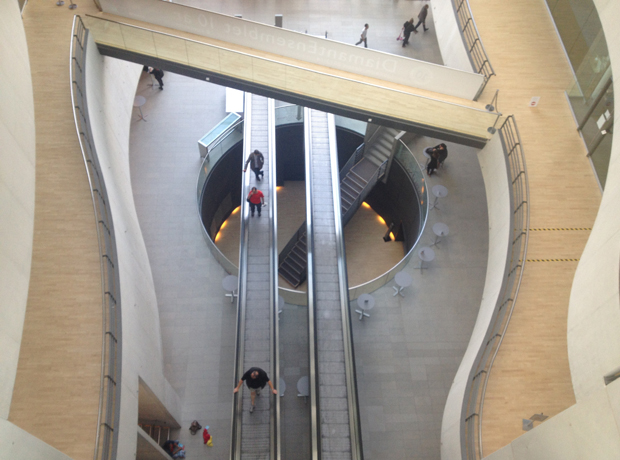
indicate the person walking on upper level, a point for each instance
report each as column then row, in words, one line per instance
column 256, row 200
column 407, row 29
column 422, row 19
column 255, row 378
column 256, row 160
column 363, row 36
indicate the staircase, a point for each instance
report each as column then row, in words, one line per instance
column 293, row 267
column 375, row 161
column 380, row 149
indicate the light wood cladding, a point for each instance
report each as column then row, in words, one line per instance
column 531, row 372
column 56, row 392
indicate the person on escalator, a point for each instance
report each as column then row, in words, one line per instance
column 256, row 200
column 256, row 161
column 255, row 378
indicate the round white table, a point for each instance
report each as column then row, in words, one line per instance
column 138, row 102
column 303, row 387
column 427, row 155
column 440, row 192
column 230, row 284
column 425, row 254
column 402, row 280
column 365, row 302
column 281, row 387
column 440, row 230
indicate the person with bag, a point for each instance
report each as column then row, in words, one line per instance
column 407, row 29
column 174, row 448
column 256, row 200
column 256, row 160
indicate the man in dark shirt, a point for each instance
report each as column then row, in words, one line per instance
column 255, row 379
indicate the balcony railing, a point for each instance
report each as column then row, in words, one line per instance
column 475, row 49
column 106, row 439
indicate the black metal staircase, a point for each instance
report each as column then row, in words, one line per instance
column 357, row 178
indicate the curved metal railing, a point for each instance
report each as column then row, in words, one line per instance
column 475, row 49
column 405, row 158
column 106, row 439
column 471, row 426
column 414, row 171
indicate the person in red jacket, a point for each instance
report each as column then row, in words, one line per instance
column 256, row 200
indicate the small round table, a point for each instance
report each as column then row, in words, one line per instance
column 365, row 302
column 281, row 387
column 139, row 101
column 402, row 280
column 230, row 284
column 425, row 254
column 303, row 387
column 440, row 192
column 440, row 230
column 427, row 155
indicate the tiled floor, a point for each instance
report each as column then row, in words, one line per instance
column 408, row 350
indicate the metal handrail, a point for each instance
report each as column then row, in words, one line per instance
column 471, row 427
column 352, row 161
column 215, row 142
column 237, row 407
column 106, row 439
column 276, row 441
column 475, row 48
column 315, row 425
column 422, row 193
column 355, row 429
column 364, row 193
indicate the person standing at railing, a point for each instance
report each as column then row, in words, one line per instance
column 422, row 19
column 407, row 29
column 255, row 378
column 256, row 160
column 256, row 200
column 363, row 36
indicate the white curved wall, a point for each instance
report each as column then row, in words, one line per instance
column 594, row 308
column 451, row 44
column 590, row 428
column 494, row 172
column 18, row 444
column 17, row 182
column 111, row 86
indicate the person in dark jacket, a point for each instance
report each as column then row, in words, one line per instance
column 422, row 19
column 407, row 29
column 159, row 75
column 256, row 160
column 255, row 378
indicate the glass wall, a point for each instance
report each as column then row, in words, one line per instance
column 591, row 94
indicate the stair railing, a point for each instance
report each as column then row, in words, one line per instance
column 378, row 174
column 352, row 161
